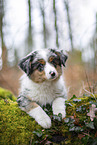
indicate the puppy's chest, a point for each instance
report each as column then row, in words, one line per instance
column 43, row 94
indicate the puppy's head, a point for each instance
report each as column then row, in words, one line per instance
column 42, row 65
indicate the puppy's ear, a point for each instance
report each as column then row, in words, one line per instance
column 25, row 63
column 63, row 58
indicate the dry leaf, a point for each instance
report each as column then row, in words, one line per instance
column 80, row 136
column 92, row 111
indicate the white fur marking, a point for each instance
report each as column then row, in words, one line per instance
column 49, row 68
column 41, row 117
column 42, row 93
column 58, row 106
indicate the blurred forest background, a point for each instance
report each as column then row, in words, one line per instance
column 71, row 25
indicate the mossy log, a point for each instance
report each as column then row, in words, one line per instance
column 18, row 128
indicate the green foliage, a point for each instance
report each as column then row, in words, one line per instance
column 16, row 127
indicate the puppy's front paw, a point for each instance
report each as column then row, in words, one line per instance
column 41, row 117
column 58, row 110
column 59, row 107
column 45, row 121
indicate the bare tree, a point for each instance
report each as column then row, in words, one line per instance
column 1, row 31
column 44, row 23
column 56, row 25
column 69, row 22
column 1, row 21
column 93, row 45
column 29, row 38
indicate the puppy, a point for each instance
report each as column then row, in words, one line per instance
column 43, row 83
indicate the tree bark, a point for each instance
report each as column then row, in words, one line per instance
column 3, row 47
column 44, row 23
column 56, row 25
column 69, row 23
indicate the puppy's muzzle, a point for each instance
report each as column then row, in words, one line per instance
column 50, row 72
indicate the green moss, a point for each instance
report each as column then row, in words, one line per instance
column 16, row 127
column 6, row 95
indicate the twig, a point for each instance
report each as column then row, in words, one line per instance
column 88, row 91
column 44, row 139
column 88, row 81
column 94, row 86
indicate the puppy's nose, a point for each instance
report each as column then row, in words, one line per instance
column 52, row 74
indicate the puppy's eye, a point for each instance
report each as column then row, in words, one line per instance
column 51, row 58
column 41, row 61
column 40, row 67
column 55, row 62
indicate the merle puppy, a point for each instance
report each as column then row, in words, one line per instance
column 43, row 83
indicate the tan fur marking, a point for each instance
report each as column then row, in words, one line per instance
column 41, row 61
column 55, row 60
column 51, row 58
column 59, row 70
column 31, row 106
column 38, row 77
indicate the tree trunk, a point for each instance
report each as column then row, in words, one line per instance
column 4, row 51
column 44, row 24
column 56, row 26
column 29, row 39
column 69, row 23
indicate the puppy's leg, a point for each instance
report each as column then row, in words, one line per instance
column 41, row 117
column 35, row 111
column 58, row 106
